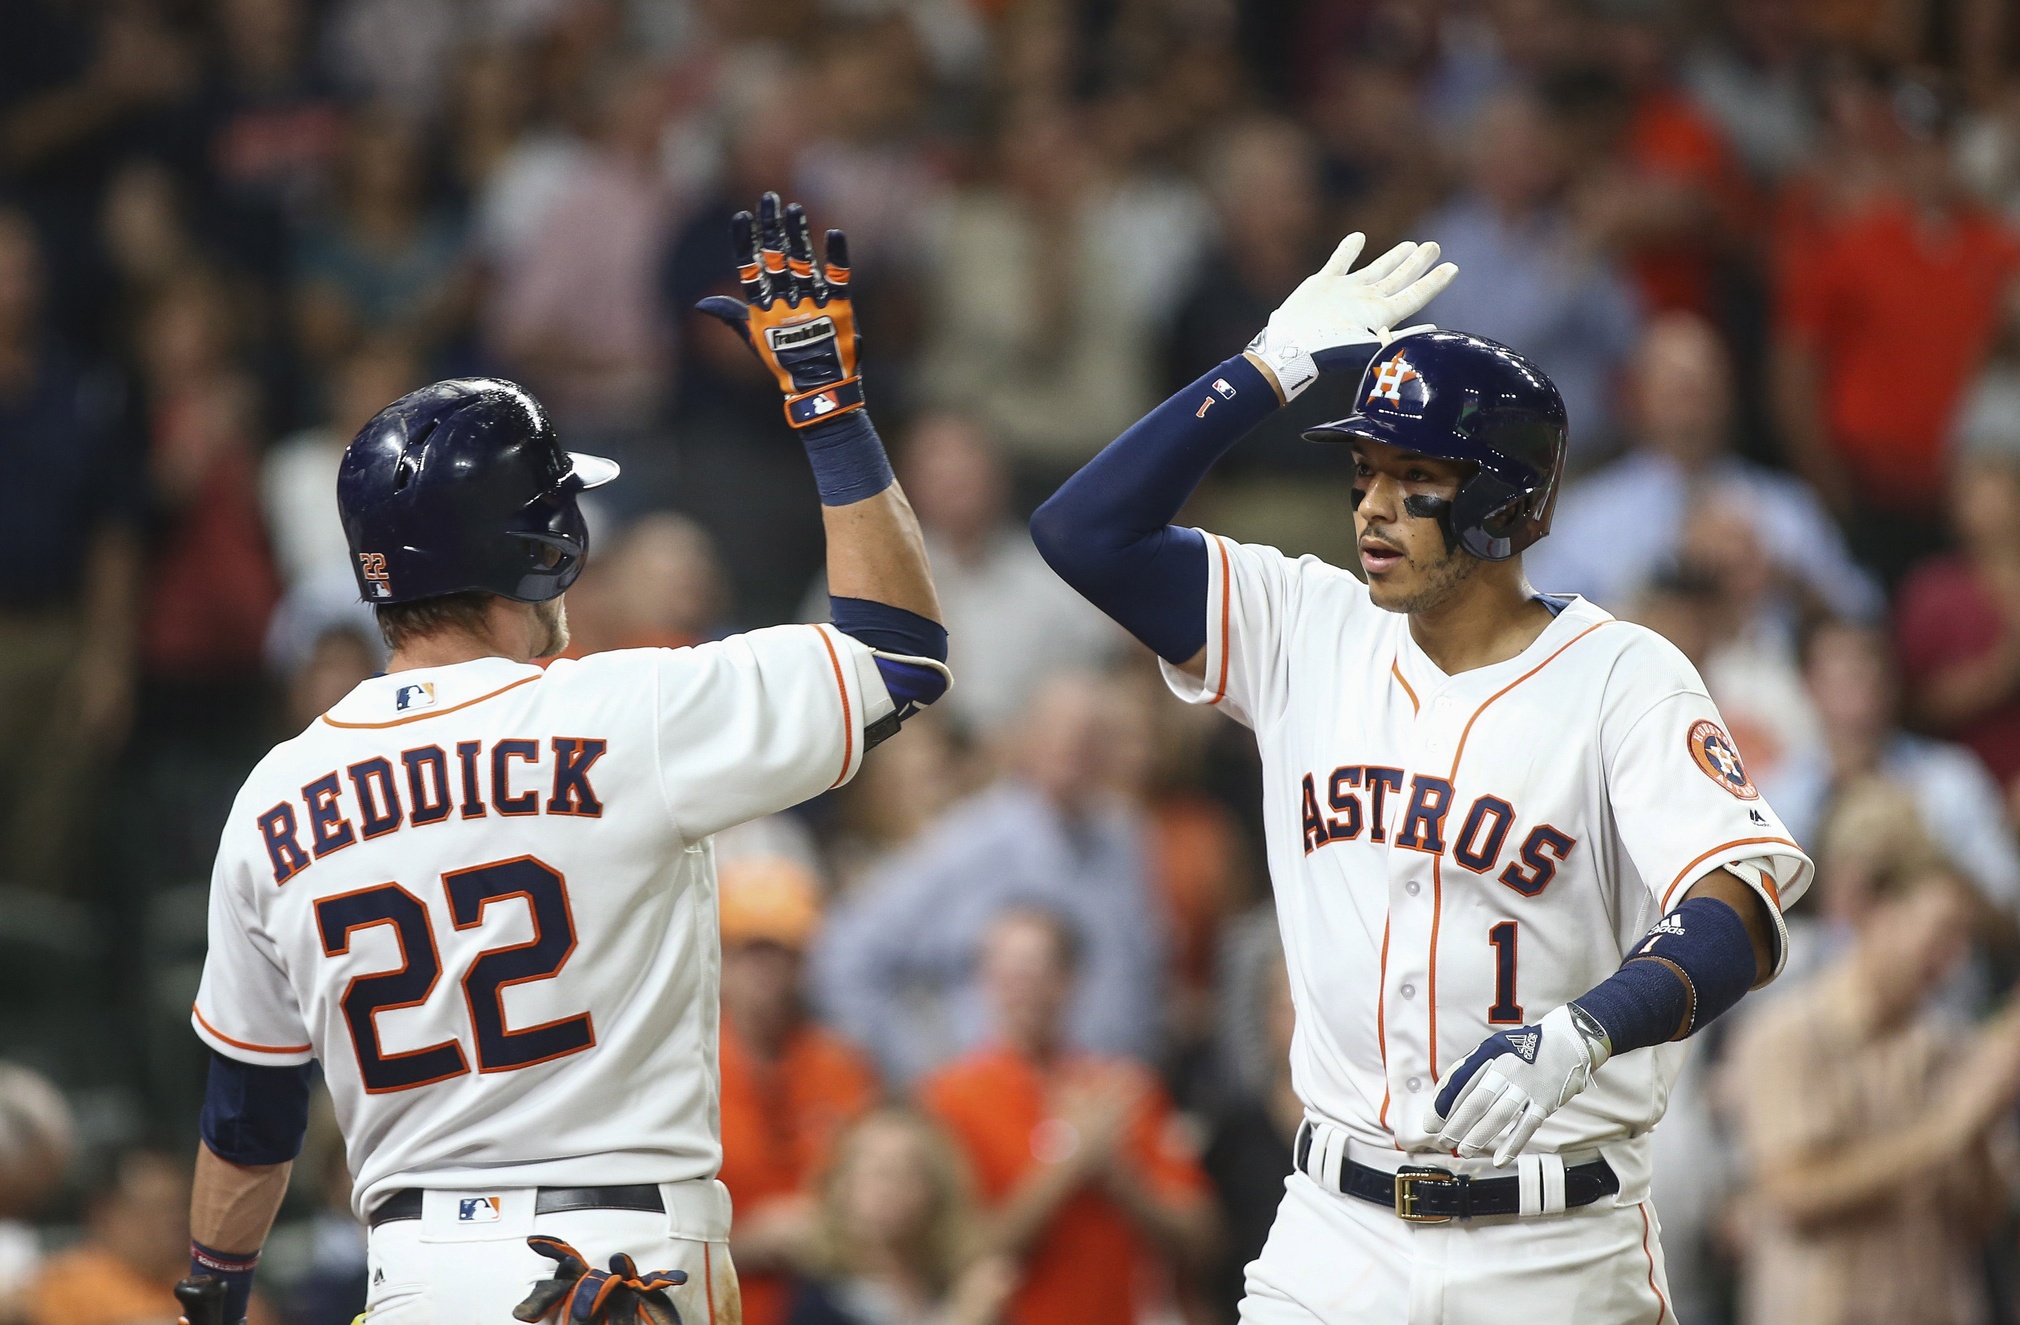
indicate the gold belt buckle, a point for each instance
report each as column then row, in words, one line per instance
column 1407, row 1181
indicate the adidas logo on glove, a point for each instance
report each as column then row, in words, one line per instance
column 1525, row 1043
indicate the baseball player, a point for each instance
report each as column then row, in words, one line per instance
column 481, row 894
column 1517, row 859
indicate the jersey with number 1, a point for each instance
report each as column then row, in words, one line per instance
column 483, row 896
column 1454, row 855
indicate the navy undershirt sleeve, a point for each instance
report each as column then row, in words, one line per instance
column 1648, row 1002
column 1108, row 531
column 255, row 1115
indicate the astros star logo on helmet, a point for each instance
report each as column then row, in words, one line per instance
column 1389, row 378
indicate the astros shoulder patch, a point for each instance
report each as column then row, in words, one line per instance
column 1719, row 758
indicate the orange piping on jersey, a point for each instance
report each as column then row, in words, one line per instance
column 708, row 1278
column 848, row 721
column 434, row 713
column 1437, row 875
column 1661, row 1306
column 1397, row 672
column 1220, row 689
column 197, row 1012
column 1382, row 1023
column 1684, row 873
column 1460, row 753
column 1437, row 914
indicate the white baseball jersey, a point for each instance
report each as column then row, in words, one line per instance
column 1456, row 854
column 483, row 896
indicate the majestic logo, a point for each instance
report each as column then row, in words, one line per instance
column 1389, row 378
column 372, row 569
column 1525, row 1043
column 1719, row 758
column 799, row 334
column 419, row 696
column 479, row 1209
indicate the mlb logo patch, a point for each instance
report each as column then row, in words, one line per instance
column 480, row 1209
column 421, row 695
column 1220, row 384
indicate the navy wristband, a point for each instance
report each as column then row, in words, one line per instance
column 848, row 459
column 1692, row 966
column 234, row 1270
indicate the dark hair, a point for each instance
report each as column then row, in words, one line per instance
column 400, row 623
column 1066, row 940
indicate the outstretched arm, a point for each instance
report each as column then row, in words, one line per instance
column 797, row 318
column 1108, row 531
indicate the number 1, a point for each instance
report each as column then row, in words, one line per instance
column 1506, row 1011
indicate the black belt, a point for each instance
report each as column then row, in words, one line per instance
column 406, row 1203
column 1421, row 1194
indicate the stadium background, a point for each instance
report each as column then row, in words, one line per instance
column 1767, row 248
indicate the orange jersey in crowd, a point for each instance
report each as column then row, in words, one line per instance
column 1901, row 314
column 778, row 1122
column 87, row 1285
column 1091, row 1266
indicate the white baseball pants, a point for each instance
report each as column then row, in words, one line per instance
column 447, row 1268
column 1339, row 1260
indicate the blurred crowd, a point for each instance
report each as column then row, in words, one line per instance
column 1004, row 1021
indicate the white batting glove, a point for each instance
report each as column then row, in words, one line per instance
column 1501, row 1093
column 1336, row 309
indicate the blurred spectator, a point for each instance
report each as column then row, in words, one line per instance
column 36, row 1136
column 1851, row 682
column 1747, row 74
column 659, row 585
column 1866, row 1122
column 1010, row 621
column 1049, row 286
column 384, row 261
column 1886, row 311
column 337, row 659
column 277, row 130
column 1616, row 528
column 1262, row 176
column 576, row 313
column 897, row 796
column 1090, row 1181
column 135, row 1248
column 1662, row 187
column 298, row 476
column 1249, row 1153
column 896, row 1235
column 1368, row 118
column 897, row 966
column 1958, row 623
column 212, row 582
column 1543, row 288
column 788, row 1087
column 66, row 631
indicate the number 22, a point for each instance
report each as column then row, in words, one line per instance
column 470, row 891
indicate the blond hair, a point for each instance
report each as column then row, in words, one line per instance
column 951, row 1240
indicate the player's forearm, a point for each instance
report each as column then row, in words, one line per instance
column 876, row 552
column 1697, row 962
column 1107, row 531
column 232, row 1208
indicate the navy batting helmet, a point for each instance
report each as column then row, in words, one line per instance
column 1452, row 396
column 463, row 485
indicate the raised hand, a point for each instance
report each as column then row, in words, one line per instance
column 1331, row 319
column 795, row 312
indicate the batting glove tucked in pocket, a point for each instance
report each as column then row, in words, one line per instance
column 1501, row 1092
column 578, row 1295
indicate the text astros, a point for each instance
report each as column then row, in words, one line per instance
column 1482, row 834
